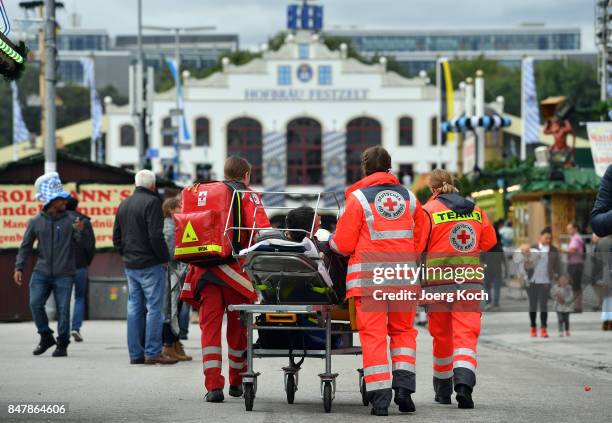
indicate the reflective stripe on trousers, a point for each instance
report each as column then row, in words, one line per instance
column 378, row 372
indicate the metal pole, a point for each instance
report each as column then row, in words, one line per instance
column 139, row 101
column 480, row 111
column 439, row 120
column 177, row 139
column 50, row 63
column 604, row 52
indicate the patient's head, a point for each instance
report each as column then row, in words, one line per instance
column 301, row 218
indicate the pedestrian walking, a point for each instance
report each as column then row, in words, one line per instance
column 601, row 215
column 604, row 255
column 83, row 256
column 575, row 263
column 460, row 232
column 382, row 220
column 58, row 233
column 495, row 271
column 563, row 295
column 215, row 287
column 175, row 278
column 138, row 235
column 542, row 265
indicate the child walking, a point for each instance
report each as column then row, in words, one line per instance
column 563, row 295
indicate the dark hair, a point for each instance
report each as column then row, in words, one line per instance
column 235, row 168
column 546, row 230
column 574, row 225
column 71, row 203
column 375, row 159
column 300, row 218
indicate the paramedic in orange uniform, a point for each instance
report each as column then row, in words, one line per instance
column 222, row 285
column 383, row 225
column 460, row 231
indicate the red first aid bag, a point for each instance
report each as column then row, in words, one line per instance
column 206, row 210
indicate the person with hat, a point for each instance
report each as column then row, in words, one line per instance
column 58, row 233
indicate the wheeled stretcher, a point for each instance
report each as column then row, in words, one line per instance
column 298, row 315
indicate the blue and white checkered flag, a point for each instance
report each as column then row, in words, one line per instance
column 20, row 130
column 530, row 110
column 177, row 80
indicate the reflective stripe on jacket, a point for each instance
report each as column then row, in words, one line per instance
column 456, row 239
column 383, row 226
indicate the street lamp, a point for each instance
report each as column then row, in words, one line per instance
column 177, row 57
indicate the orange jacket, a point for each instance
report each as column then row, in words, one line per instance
column 383, row 225
column 231, row 274
column 460, row 231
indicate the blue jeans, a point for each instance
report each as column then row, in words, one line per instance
column 80, row 284
column 184, row 315
column 41, row 287
column 146, row 296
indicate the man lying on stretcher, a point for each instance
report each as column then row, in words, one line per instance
column 299, row 223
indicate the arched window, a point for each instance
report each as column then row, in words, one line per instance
column 244, row 139
column 406, row 131
column 434, row 132
column 361, row 133
column 167, row 134
column 202, row 132
column 127, row 136
column 304, row 152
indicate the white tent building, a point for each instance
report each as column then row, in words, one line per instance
column 301, row 115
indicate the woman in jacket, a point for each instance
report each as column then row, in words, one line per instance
column 383, row 225
column 174, row 282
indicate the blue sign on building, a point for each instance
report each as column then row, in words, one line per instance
column 305, row 17
column 304, row 72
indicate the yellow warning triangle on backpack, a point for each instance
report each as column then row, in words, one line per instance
column 189, row 235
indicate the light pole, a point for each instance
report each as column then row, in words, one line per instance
column 50, row 80
column 177, row 57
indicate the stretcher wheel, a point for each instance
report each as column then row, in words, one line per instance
column 291, row 388
column 364, row 393
column 327, row 397
column 249, row 396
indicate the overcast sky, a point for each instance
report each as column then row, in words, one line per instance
column 256, row 20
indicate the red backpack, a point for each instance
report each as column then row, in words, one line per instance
column 206, row 210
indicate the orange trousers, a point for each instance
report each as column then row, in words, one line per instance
column 215, row 299
column 374, row 327
column 455, row 337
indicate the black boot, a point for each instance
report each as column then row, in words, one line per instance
column 215, row 396
column 404, row 400
column 61, row 350
column 46, row 341
column 235, row 391
column 443, row 399
column 464, row 396
column 379, row 411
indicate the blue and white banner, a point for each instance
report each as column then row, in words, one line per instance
column 20, row 130
column 274, row 167
column 530, row 110
column 172, row 65
column 334, row 166
column 89, row 78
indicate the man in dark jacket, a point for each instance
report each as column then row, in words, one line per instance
column 601, row 215
column 83, row 256
column 58, row 233
column 138, row 234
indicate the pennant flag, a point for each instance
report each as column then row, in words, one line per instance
column 177, row 80
column 20, row 130
column 95, row 105
column 447, row 96
column 530, row 110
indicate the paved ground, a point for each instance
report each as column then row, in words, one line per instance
column 520, row 379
